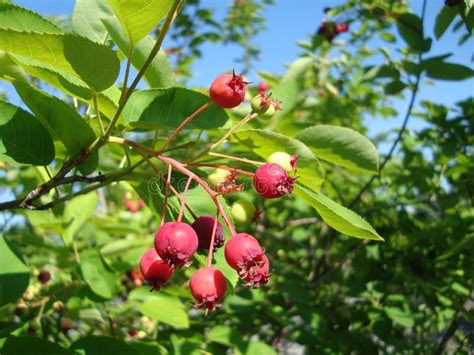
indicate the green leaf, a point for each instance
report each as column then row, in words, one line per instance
column 87, row 19
column 98, row 345
column 32, row 346
column 14, row 274
column 410, row 28
column 23, row 137
column 342, row 146
column 96, row 64
column 264, row 143
column 62, row 121
column 338, row 217
column 166, row 309
column 443, row 20
column 447, row 71
column 259, row 348
column 225, row 335
column 394, row 87
column 18, row 18
column 168, row 108
column 139, row 17
column 160, row 73
column 77, row 212
column 221, row 263
column 97, row 275
column 400, row 316
column 8, row 327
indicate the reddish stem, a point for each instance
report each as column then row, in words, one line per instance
column 217, row 166
column 213, row 237
column 183, row 124
column 183, row 199
column 167, row 188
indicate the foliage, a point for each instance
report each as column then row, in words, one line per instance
column 71, row 193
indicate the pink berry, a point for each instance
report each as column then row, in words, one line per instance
column 203, row 227
column 176, row 242
column 342, row 27
column 155, row 271
column 228, row 90
column 131, row 206
column 263, row 86
column 244, row 254
column 272, row 181
column 208, row 286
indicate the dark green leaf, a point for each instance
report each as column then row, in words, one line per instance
column 23, row 138
column 394, row 87
column 32, row 346
column 410, row 29
column 448, row 71
column 98, row 345
column 14, row 274
column 167, row 108
column 342, row 146
column 443, row 20
column 62, row 121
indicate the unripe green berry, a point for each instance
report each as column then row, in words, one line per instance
column 242, row 211
column 281, row 158
column 269, row 113
column 218, row 177
column 257, row 106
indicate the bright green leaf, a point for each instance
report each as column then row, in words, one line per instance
column 338, row 217
column 166, row 309
column 160, row 73
column 264, row 143
column 167, row 108
column 87, row 19
column 97, row 275
column 400, row 316
column 259, row 348
column 18, row 18
column 77, row 212
column 14, row 274
column 139, row 17
column 23, row 138
column 342, row 146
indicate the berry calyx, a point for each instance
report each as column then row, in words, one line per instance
column 218, row 177
column 272, row 181
column 44, row 276
column 155, row 271
column 242, row 211
column 175, row 243
column 208, row 286
column 264, row 106
column 228, row 90
column 244, row 254
column 285, row 160
column 203, row 227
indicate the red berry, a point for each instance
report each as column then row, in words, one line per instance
column 203, row 227
column 208, row 286
column 130, row 206
column 263, row 86
column 244, row 254
column 44, row 276
column 155, row 271
column 342, row 27
column 272, row 181
column 176, row 242
column 228, row 90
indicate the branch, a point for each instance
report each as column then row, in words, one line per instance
column 453, row 327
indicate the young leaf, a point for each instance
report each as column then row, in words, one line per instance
column 14, row 274
column 87, row 19
column 62, row 122
column 77, row 212
column 342, row 146
column 139, row 17
column 264, row 143
column 338, row 217
column 167, row 108
column 97, row 275
column 443, row 20
column 23, row 138
column 166, row 309
column 160, row 73
column 15, row 345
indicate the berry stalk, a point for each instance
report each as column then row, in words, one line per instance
column 245, row 120
column 167, row 189
column 183, row 200
column 213, row 237
column 240, row 171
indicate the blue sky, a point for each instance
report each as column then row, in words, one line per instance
column 290, row 21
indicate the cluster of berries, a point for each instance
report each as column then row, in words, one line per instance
column 176, row 242
column 329, row 30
